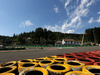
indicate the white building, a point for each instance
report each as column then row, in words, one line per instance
column 77, row 43
column 68, row 41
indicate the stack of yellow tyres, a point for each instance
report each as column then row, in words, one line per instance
column 58, row 62
column 75, row 73
column 39, row 59
column 10, row 69
column 25, row 61
column 75, row 65
column 91, row 70
column 22, row 62
column 34, row 71
column 10, row 63
column 58, row 69
column 23, row 66
column 50, row 57
column 61, row 60
column 7, row 74
column 45, row 63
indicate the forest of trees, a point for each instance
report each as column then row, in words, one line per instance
column 93, row 35
column 38, row 37
column 42, row 36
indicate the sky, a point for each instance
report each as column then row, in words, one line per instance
column 66, row 16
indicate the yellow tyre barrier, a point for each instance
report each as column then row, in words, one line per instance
column 25, row 61
column 45, row 63
column 51, row 57
column 91, row 70
column 11, row 69
column 39, row 59
column 75, row 73
column 60, row 59
column 57, row 62
column 10, row 63
column 7, row 74
column 35, row 71
column 58, row 69
column 75, row 65
column 23, row 66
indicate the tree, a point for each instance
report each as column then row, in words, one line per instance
column 14, row 35
column 44, row 36
column 51, row 37
column 93, row 34
column 33, row 37
column 21, row 40
column 39, row 34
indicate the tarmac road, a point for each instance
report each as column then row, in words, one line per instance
column 31, row 54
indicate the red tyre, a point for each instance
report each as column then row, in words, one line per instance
column 74, row 53
column 70, row 57
column 68, row 54
column 97, row 63
column 97, row 55
column 93, row 58
column 86, row 61
column 92, row 51
column 60, row 56
column 79, row 56
column 88, row 51
column 82, row 52
column 90, row 54
column 98, row 51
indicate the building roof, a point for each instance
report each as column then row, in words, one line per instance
column 68, row 40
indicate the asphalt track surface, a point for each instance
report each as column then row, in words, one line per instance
column 32, row 53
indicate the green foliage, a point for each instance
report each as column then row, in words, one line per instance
column 41, row 36
column 21, row 40
column 93, row 35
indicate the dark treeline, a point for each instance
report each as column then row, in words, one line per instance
column 42, row 36
column 93, row 35
column 38, row 37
